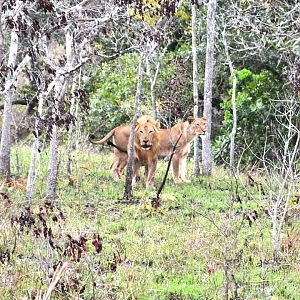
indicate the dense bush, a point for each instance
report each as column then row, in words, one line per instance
column 111, row 91
column 257, row 112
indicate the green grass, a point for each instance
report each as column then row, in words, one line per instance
column 175, row 252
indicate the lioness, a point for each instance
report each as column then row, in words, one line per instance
column 168, row 138
column 146, row 145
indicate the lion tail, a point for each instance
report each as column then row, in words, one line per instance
column 104, row 139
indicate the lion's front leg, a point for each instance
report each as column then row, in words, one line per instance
column 175, row 167
column 136, row 172
column 151, row 168
column 146, row 171
column 182, row 169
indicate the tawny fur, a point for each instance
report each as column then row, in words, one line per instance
column 146, row 145
column 168, row 138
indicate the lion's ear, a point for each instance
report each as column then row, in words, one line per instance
column 157, row 124
column 190, row 119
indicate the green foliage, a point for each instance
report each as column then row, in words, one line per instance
column 256, row 109
column 113, row 87
column 112, row 92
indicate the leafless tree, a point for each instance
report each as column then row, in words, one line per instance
column 60, row 89
column 77, row 41
column 73, row 102
column 35, row 148
column 153, row 78
column 154, row 54
column 1, row 35
column 207, row 111
column 129, row 170
column 196, row 168
column 233, row 105
column 280, row 195
column 281, row 174
column 9, row 90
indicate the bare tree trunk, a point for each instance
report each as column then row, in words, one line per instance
column 233, row 105
column 152, row 84
column 70, row 55
column 288, row 177
column 77, row 139
column 52, row 165
column 70, row 131
column 17, row 142
column 32, row 173
column 34, row 153
column 196, row 168
column 8, row 98
column 1, row 36
column 61, row 88
column 234, row 124
column 128, row 180
column 153, row 79
column 60, row 91
column 206, row 141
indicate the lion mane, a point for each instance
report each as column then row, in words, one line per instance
column 146, row 145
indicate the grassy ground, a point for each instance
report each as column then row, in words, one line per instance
column 203, row 242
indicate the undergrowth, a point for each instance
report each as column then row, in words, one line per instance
column 208, row 239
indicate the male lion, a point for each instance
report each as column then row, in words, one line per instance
column 146, row 145
column 120, row 137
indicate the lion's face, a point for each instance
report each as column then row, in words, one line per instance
column 197, row 125
column 146, row 133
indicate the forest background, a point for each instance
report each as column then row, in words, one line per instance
column 71, row 68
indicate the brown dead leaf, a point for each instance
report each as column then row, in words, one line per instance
column 18, row 183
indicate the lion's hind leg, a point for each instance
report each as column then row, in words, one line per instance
column 118, row 165
column 122, row 164
column 115, row 170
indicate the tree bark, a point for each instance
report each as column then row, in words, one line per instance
column 70, row 131
column 8, row 98
column 34, row 154
column 60, row 91
column 233, row 105
column 77, row 139
column 32, row 173
column 35, row 151
column 52, row 166
column 61, row 86
column 206, row 141
column 129, row 171
column 70, row 55
column 152, row 84
column 153, row 79
column 196, row 168
column 2, row 50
